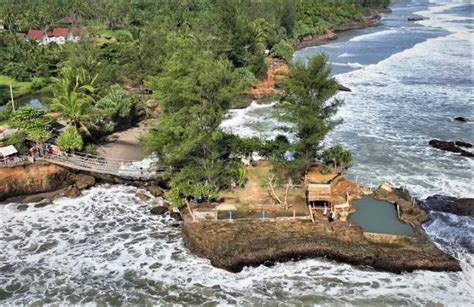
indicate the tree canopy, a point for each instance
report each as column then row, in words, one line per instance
column 308, row 108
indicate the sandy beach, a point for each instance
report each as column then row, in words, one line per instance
column 125, row 144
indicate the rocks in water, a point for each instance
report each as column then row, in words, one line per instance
column 42, row 204
column 343, row 88
column 415, row 18
column 21, row 207
column 450, row 146
column 459, row 206
column 176, row 216
column 155, row 191
column 463, row 144
column 165, row 208
column 34, row 199
column 143, row 197
column 72, row 192
column 159, row 210
column 461, row 119
column 84, row 181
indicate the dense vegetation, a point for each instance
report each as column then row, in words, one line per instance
column 188, row 59
column 132, row 39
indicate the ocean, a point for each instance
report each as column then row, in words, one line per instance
column 408, row 80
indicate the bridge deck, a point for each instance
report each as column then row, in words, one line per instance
column 138, row 170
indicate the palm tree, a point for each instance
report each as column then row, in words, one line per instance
column 72, row 96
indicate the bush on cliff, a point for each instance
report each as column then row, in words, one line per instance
column 338, row 157
column 35, row 126
column 283, row 50
column 70, row 140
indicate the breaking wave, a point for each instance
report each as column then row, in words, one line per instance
column 105, row 248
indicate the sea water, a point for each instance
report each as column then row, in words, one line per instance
column 105, row 247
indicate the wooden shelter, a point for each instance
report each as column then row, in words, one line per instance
column 318, row 190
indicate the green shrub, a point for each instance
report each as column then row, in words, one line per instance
column 38, row 83
column 338, row 157
column 123, row 36
column 283, row 50
column 92, row 149
column 70, row 139
column 242, row 175
column 325, row 170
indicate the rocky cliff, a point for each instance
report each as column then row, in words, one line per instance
column 234, row 245
column 32, row 178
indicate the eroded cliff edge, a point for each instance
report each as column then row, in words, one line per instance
column 234, row 245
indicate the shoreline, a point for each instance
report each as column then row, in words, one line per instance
column 233, row 245
column 266, row 90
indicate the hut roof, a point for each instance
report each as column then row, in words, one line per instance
column 319, row 192
column 8, row 151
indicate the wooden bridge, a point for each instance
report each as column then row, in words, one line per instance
column 146, row 169
column 140, row 170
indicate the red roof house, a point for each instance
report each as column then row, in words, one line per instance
column 38, row 35
column 61, row 32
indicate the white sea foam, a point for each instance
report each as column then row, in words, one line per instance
column 381, row 111
column 254, row 121
column 105, row 247
column 346, row 55
column 355, row 65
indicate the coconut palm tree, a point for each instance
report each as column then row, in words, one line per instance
column 72, row 96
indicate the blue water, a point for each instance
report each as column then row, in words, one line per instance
column 30, row 102
column 105, row 248
column 378, row 217
column 372, row 45
column 409, row 80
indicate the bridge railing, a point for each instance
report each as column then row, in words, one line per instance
column 10, row 162
column 122, row 168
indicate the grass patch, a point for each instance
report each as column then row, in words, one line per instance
column 260, row 174
column 19, row 88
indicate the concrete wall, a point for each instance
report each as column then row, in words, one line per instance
column 386, row 238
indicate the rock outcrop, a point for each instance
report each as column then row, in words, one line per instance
column 32, row 179
column 452, row 147
column 459, row 206
column 83, row 181
column 461, row 119
column 267, row 88
column 463, row 144
column 155, row 191
column 234, row 245
column 159, row 210
column 415, row 18
column 343, row 88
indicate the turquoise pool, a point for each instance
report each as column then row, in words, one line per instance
column 379, row 217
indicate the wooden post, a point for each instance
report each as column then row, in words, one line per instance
column 11, row 95
column 311, row 213
column 294, row 214
column 190, row 210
